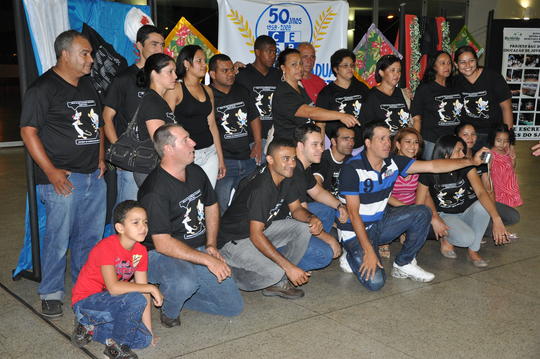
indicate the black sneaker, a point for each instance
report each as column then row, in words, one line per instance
column 169, row 322
column 51, row 308
column 81, row 336
column 115, row 351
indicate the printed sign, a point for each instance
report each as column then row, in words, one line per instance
column 520, row 68
column 322, row 23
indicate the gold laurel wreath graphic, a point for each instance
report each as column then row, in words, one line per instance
column 244, row 28
column 325, row 18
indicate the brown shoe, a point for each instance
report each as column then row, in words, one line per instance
column 283, row 289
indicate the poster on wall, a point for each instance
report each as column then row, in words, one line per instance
column 322, row 23
column 521, row 68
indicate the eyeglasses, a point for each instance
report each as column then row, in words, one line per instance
column 349, row 66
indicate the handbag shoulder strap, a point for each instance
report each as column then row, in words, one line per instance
column 133, row 120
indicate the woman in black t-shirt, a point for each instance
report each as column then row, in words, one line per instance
column 462, row 205
column 386, row 102
column 436, row 107
column 291, row 105
column 193, row 105
column 158, row 76
column 346, row 94
column 486, row 95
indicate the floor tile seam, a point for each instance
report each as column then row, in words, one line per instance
column 247, row 335
column 33, row 311
column 535, row 297
column 369, row 336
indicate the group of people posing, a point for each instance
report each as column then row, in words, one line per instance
column 246, row 197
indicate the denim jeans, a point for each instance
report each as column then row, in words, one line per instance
column 467, row 228
column 207, row 158
column 427, row 154
column 192, row 286
column 413, row 220
column 76, row 222
column 319, row 254
column 126, row 188
column 116, row 317
column 236, row 170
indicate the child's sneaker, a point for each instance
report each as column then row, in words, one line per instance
column 115, row 351
column 81, row 335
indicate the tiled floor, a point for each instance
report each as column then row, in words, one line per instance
column 465, row 313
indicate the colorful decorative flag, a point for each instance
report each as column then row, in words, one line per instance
column 463, row 38
column 369, row 50
column 186, row 34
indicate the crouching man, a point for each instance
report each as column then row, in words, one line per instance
column 254, row 235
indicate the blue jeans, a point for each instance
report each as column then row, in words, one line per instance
column 126, row 188
column 414, row 220
column 236, row 170
column 115, row 317
column 319, row 254
column 193, row 286
column 75, row 222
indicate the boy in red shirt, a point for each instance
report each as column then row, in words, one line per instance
column 109, row 306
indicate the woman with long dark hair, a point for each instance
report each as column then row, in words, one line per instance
column 193, row 105
column 158, row 76
column 291, row 105
column 386, row 102
column 461, row 203
column 486, row 95
column 437, row 104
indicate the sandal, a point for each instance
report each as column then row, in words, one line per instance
column 384, row 251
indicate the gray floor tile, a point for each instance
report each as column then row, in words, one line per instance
column 312, row 338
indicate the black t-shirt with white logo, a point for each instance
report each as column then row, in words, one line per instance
column 259, row 200
column 285, row 103
column 328, row 169
column 451, row 192
column 153, row 107
column 390, row 109
column 68, row 119
column 123, row 96
column 303, row 180
column 345, row 100
column 234, row 111
column 482, row 99
column 175, row 207
column 261, row 89
column 440, row 107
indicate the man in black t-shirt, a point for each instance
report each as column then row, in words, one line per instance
column 122, row 100
column 254, row 234
column 234, row 110
column 327, row 171
column 309, row 148
column 61, row 128
column 183, row 220
column 261, row 79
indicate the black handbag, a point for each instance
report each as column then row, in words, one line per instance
column 132, row 154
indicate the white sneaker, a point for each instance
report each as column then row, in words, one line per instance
column 413, row 271
column 344, row 263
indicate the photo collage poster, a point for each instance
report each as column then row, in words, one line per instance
column 521, row 68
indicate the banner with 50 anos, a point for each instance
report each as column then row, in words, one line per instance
column 322, row 23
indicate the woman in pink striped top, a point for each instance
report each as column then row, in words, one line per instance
column 407, row 142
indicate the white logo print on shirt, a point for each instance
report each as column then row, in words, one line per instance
column 86, row 127
column 194, row 223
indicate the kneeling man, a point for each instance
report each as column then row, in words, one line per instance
column 254, row 234
column 183, row 218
